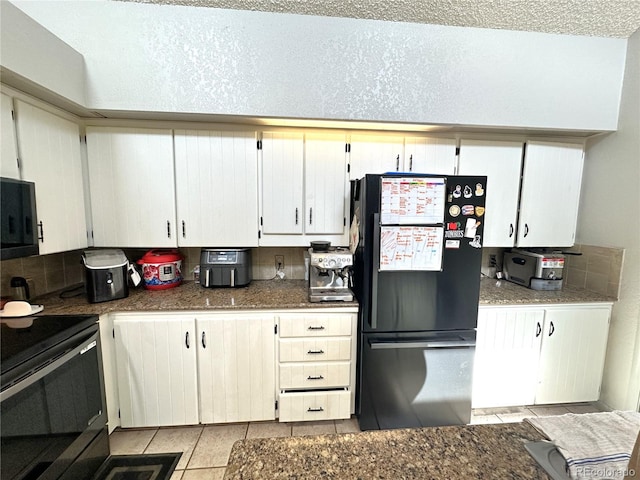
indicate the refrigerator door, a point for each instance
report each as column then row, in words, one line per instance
column 416, row 380
column 415, row 300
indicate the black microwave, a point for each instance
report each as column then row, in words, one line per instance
column 18, row 227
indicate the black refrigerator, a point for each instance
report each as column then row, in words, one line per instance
column 417, row 242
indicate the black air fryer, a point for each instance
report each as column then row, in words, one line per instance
column 105, row 275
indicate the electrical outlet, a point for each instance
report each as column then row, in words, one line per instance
column 279, row 262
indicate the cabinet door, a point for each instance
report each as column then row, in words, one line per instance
column 156, row 364
column 506, row 361
column 132, row 187
column 236, row 362
column 572, row 354
column 501, row 163
column 551, row 181
column 282, row 178
column 8, row 152
column 430, row 155
column 49, row 148
column 326, row 184
column 216, row 188
column 375, row 154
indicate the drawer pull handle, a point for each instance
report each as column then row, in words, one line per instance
column 315, row 352
column 315, row 377
column 311, row 327
column 319, row 409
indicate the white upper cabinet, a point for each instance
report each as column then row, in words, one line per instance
column 501, row 163
column 8, row 152
column 216, row 188
column 305, row 189
column 326, row 186
column 282, row 183
column 132, row 187
column 375, row 154
column 49, row 149
column 551, row 181
column 430, row 155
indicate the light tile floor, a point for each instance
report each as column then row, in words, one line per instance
column 206, row 448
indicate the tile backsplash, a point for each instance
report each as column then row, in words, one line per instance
column 51, row 273
column 598, row 269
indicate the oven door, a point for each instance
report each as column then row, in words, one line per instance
column 413, row 380
column 51, row 414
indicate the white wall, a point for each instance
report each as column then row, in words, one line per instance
column 35, row 54
column 610, row 216
column 165, row 58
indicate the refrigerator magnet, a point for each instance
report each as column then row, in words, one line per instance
column 468, row 209
column 479, row 190
column 475, row 243
column 454, row 210
column 479, row 211
column 467, row 191
column 452, row 244
column 457, row 193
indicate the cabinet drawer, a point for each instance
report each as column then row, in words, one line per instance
column 315, row 325
column 314, row 375
column 304, row 406
column 315, row 349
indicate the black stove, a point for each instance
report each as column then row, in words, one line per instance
column 24, row 338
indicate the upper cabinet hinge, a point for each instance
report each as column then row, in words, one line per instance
column 259, row 145
column 457, row 150
column 347, row 147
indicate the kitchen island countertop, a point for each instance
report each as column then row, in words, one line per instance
column 471, row 451
column 279, row 295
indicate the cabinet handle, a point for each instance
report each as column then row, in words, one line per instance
column 398, row 163
column 310, row 215
column 315, row 377
column 41, row 227
column 168, row 229
column 315, row 352
column 552, row 329
column 319, row 409
column 411, row 163
column 538, row 329
column 526, row 229
column 511, row 230
column 204, row 340
column 186, row 340
column 311, row 327
column 184, row 230
column 296, row 215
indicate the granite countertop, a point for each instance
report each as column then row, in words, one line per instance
column 280, row 294
column 259, row 294
column 473, row 452
column 502, row 292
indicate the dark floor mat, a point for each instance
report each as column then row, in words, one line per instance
column 138, row 467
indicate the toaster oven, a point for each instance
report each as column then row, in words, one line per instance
column 538, row 271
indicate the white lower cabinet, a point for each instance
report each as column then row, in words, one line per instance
column 236, row 367
column 156, row 369
column 539, row 355
column 316, row 365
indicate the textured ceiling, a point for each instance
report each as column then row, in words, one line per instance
column 601, row 18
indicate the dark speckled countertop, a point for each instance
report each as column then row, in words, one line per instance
column 469, row 452
column 281, row 294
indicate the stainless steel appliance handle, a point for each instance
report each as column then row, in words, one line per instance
column 233, row 277
column 420, row 344
column 207, row 277
column 374, row 270
column 87, row 345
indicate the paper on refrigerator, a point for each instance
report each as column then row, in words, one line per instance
column 411, row 248
column 412, row 200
